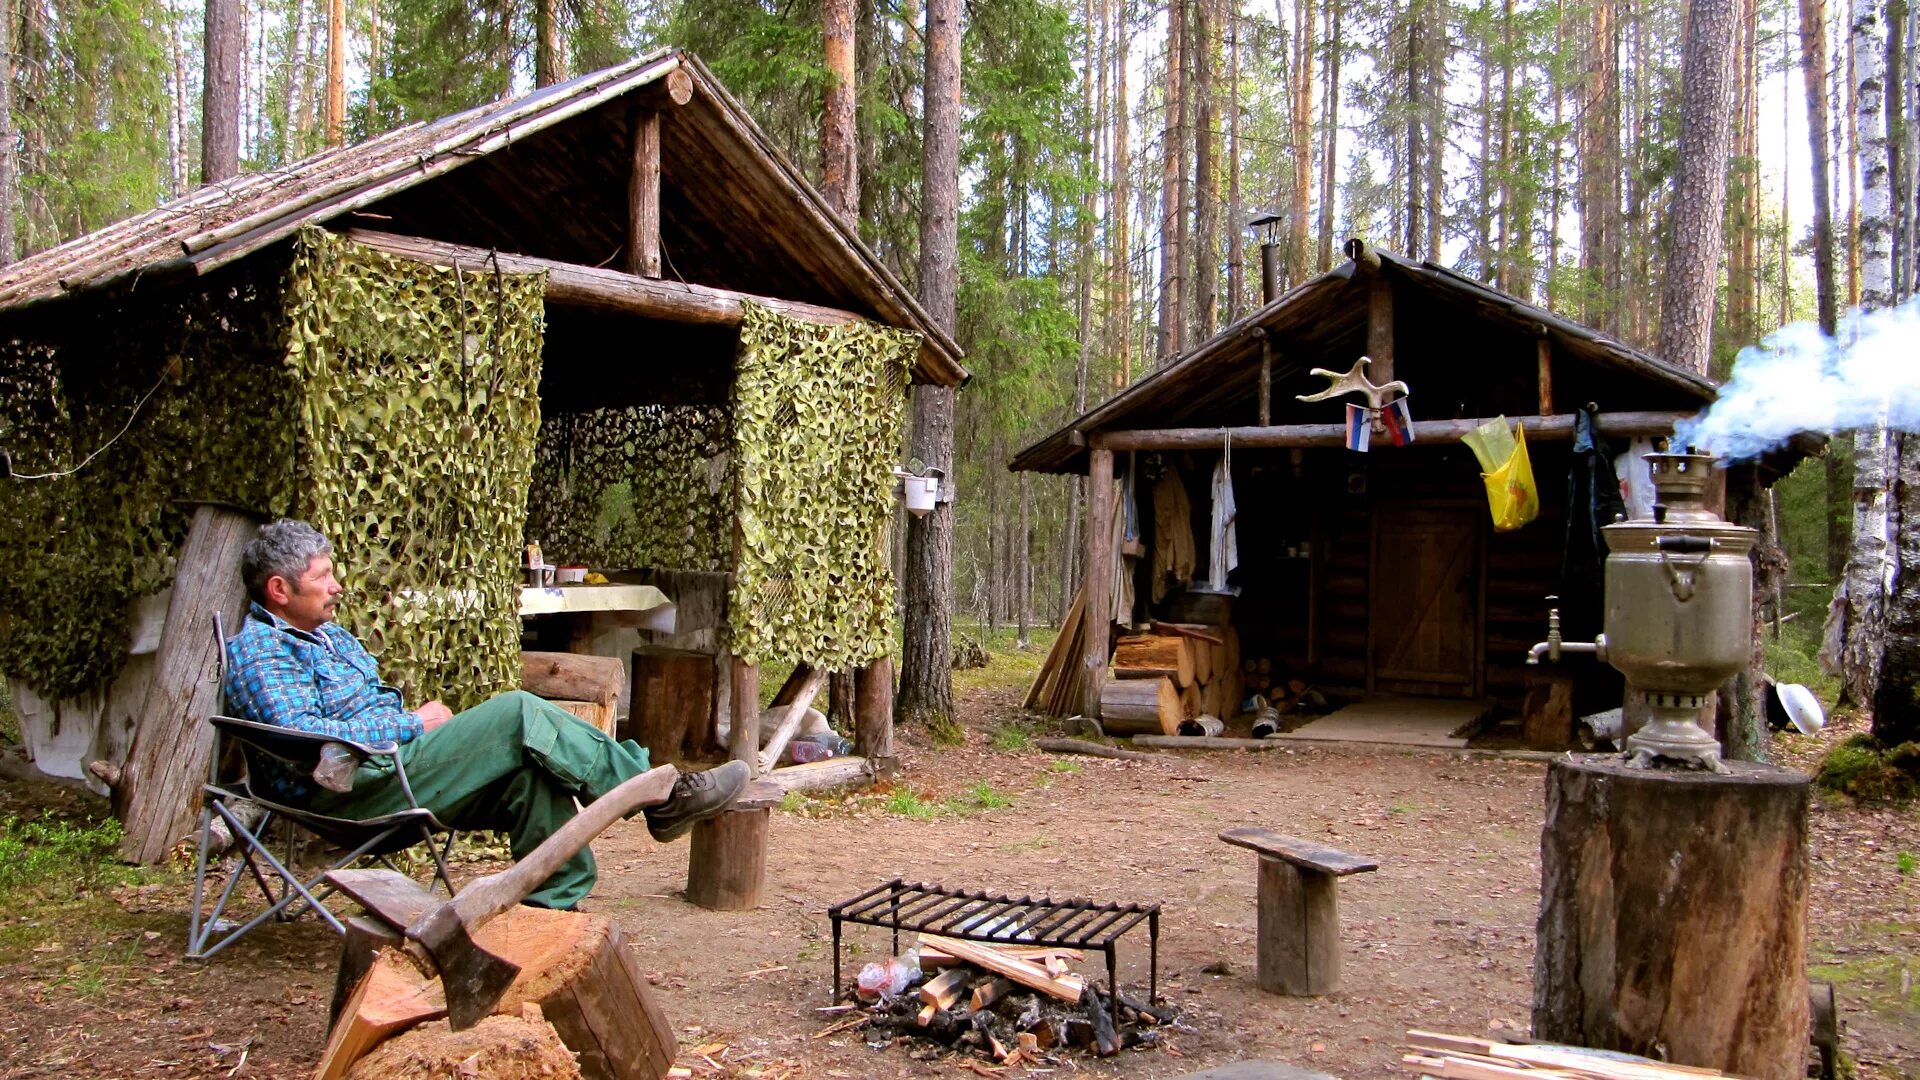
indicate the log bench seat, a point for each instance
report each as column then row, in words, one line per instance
column 1299, row 914
column 727, row 868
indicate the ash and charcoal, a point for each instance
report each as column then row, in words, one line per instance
column 1011, row 1024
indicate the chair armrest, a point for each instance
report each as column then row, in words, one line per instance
column 291, row 745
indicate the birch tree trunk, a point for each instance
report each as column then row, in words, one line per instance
column 1871, row 568
column 926, row 663
column 841, row 181
column 225, row 42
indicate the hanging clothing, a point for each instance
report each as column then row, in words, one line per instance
column 1593, row 499
column 1126, row 526
column 1223, row 546
column 1173, row 552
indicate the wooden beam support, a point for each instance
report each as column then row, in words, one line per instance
column 643, row 196
column 573, row 285
column 1623, row 424
column 873, row 714
column 1544, row 346
column 1099, row 581
column 1266, row 380
column 743, row 734
column 1380, row 329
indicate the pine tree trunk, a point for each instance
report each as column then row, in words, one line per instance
column 1236, row 205
column 1813, row 68
column 1433, row 53
column 1023, row 563
column 1120, row 119
column 1330, row 119
column 225, row 44
column 926, row 662
column 1871, row 565
column 374, row 72
column 1896, row 720
column 549, row 51
column 1206, row 206
column 1413, row 172
column 1507, row 280
column 1559, row 154
column 9, row 241
column 1301, row 140
column 1687, row 298
column 841, row 184
column 1599, row 199
column 337, row 72
column 1483, row 220
column 1172, row 163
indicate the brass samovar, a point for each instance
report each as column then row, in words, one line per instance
column 1678, row 619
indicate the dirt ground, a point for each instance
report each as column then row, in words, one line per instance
column 1440, row 938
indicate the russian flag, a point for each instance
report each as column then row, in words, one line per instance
column 1398, row 421
column 1359, row 428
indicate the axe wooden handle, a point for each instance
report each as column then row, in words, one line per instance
column 489, row 896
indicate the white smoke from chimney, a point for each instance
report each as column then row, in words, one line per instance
column 1798, row 379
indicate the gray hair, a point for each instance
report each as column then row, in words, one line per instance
column 283, row 548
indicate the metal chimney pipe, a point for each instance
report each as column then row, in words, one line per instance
column 1269, row 271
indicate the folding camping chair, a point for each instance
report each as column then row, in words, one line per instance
column 281, row 884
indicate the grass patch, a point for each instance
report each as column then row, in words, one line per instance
column 1401, row 806
column 9, row 720
column 1793, row 658
column 1064, row 767
column 980, row 796
column 1860, row 769
column 905, row 802
column 1012, row 736
column 1037, row 843
column 1880, row 984
column 1905, row 863
column 1008, row 665
column 57, row 860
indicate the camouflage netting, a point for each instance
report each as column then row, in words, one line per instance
column 417, row 429
column 646, row 485
column 400, row 418
column 818, row 415
column 79, row 549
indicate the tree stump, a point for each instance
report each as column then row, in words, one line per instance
column 1299, row 910
column 727, row 868
column 575, row 967
column 1673, row 911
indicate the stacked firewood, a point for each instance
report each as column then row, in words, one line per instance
column 1460, row 1057
column 1010, row 1004
column 1172, row 673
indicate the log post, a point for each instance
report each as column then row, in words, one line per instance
column 1299, row 921
column 727, row 864
column 1380, row 328
column 1266, row 379
column 1099, row 577
column 160, row 785
column 873, row 715
column 1673, row 913
column 743, row 736
column 1543, row 347
column 643, row 197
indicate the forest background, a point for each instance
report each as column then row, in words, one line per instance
column 1111, row 155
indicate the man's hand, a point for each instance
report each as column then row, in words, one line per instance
column 433, row 714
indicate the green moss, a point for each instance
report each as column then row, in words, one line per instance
column 1012, row 736
column 1860, row 769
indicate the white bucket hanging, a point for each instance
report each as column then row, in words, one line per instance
column 921, row 493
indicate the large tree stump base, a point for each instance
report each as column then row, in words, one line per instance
column 575, row 967
column 727, row 868
column 1673, row 911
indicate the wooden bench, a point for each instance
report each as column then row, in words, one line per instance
column 727, row 868
column 1299, row 915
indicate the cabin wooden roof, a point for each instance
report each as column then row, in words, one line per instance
column 1323, row 323
column 544, row 174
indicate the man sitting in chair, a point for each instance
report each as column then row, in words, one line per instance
column 514, row 763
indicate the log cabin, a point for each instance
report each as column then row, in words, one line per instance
column 1379, row 573
column 641, row 214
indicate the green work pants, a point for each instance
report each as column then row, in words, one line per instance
column 513, row 764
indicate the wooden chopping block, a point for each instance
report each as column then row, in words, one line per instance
column 1140, row 706
column 1167, row 654
column 575, row 967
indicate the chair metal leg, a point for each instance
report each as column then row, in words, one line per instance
column 439, row 854
column 199, row 882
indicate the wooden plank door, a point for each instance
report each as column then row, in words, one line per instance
column 1423, row 633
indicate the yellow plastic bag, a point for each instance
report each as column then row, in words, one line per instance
column 1511, row 494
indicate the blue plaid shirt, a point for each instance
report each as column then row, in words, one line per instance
column 324, row 682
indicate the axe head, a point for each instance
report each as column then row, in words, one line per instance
column 472, row 977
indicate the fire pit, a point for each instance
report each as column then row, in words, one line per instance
column 991, row 917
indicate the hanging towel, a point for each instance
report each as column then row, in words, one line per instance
column 1173, row 554
column 1223, row 547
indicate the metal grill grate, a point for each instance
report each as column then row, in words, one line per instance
column 972, row 915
